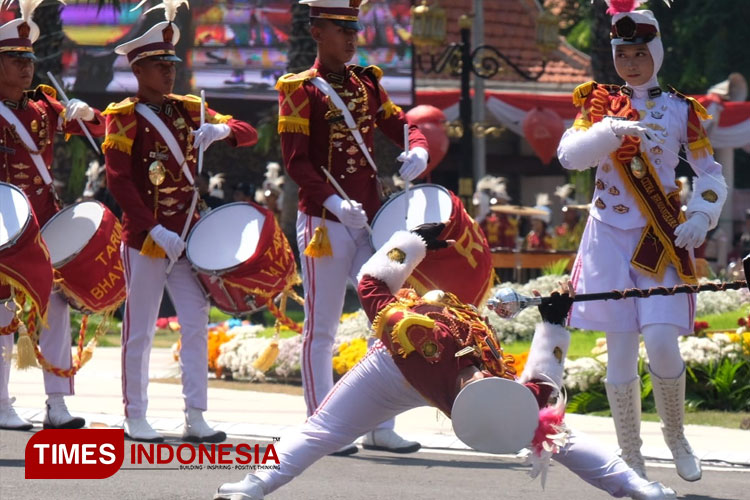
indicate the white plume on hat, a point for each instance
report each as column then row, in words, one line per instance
column 216, row 185
column 490, row 190
column 170, row 8
column 542, row 203
column 27, row 8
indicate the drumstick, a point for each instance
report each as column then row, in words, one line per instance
column 343, row 194
column 406, row 184
column 203, row 120
column 65, row 101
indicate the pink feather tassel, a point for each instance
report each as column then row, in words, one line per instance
column 618, row 6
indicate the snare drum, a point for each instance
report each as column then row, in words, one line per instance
column 464, row 269
column 84, row 245
column 24, row 261
column 241, row 257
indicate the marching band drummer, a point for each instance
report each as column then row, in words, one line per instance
column 327, row 120
column 28, row 121
column 150, row 150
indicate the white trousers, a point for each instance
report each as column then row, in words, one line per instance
column 324, row 280
column 54, row 342
column 374, row 391
column 145, row 278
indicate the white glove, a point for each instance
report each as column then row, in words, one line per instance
column 168, row 240
column 692, row 232
column 415, row 162
column 626, row 127
column 208, row 133
column 78, row 109
column 349, row 214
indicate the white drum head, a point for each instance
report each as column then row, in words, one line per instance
column 495, row 415
column 225, row 238
column 427, row 203
column 70, row 230
column 14, row 213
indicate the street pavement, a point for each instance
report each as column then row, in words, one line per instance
column 444, row 469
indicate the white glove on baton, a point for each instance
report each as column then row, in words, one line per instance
column 208, row 133
column 349, row 214
column 625, row 127
column 78, row 109
column 692, row 232
column 168, row 240
column 415, row 162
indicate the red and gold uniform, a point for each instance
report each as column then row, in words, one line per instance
column 314, row 135
column 536, row 241
column 43, row 116
column 152, row 189
column 500, row 230
column 150, row 195
column 414, row 364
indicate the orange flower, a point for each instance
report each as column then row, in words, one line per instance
column 216, row 337
column 520, row 362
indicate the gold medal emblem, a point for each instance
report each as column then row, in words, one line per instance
column 157, row 173
column 34, row 126
column 637, row 167
column 430, row 349
column 650, row 104
column 351, row 105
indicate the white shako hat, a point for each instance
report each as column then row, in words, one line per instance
column 160, row 40
column 345, row 13
column 18, row 36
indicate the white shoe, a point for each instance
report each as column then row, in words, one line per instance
column 654, row 491
column 345, row 451
column 196, row 429
column 250, row 488
column 388, row 440
column 625, row 403
column 138, row 429
column 57, row 416
column 10, row 420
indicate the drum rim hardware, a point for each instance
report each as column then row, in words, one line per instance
column 12, row 241
column 75, row 254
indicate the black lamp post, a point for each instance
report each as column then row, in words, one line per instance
column 484, row 61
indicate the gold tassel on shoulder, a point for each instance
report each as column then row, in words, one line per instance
column 320, row 244
column 151, row 249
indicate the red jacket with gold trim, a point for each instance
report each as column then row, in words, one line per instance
column 132, row 146
column 43, row 116
column 314, row 135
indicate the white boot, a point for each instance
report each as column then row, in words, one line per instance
column 57, row 416
column 250, row 488
column 669, row 394
column 10, row 420
column 198, row 431
column 388, row 440
column 654, row 491
column 138, row 429
column 625, row 403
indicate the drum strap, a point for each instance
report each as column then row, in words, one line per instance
column 326, row 88
column 168, row 136
column 24, row 135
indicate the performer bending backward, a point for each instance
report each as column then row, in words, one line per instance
column 28, row 121
column 331, row 233
column 636, row 235
column 414, row 364
column 150, row 150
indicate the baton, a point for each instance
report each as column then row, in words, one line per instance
column 65, row 101
column 406, row 183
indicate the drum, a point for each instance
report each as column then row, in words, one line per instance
column 84, row 246
column 24, row 261
column 241, row 257
column 464, row 269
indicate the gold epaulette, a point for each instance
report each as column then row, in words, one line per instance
column 582, row 92
column 124, row 107
column 46, row 90
column 191, row 102
column 375, row 70
column 290, row 82
column 697, row 107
